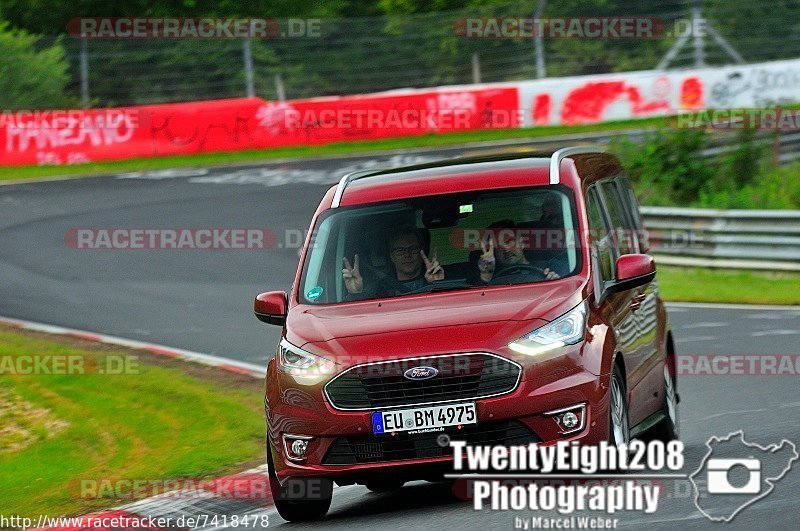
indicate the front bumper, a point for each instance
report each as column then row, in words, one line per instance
column 293, row 411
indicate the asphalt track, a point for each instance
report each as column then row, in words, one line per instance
column 201, row 300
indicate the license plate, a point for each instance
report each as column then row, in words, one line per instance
column 423, row 418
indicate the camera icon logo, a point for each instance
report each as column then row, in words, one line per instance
column 735, row 474
column 718, row 476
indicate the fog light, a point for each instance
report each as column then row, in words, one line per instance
column 569, row 420
column 296, row 446
column 299, row 446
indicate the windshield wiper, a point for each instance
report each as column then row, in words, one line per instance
column 444, row 285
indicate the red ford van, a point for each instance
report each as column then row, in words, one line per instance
column 503, row 300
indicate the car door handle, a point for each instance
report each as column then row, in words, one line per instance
column 637, row 301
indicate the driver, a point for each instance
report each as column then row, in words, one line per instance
column 508, row 254
column 412, row 267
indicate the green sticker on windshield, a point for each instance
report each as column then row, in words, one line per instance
column 314, row 293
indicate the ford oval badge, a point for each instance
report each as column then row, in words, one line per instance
column 421, row 373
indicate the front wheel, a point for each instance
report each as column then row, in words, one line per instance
column 619, row 430
column 667, row 429
column 299, row 499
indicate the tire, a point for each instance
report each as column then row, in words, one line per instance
column 667, row 430
column 384, row 484
column 298, row 510
column 618, row 421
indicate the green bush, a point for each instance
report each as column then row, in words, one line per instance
column 771, row 188
column 741, row 166
column 667, row 167
column 31, row 76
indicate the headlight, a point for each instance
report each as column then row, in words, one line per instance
column 566, row 330
column 307, row 368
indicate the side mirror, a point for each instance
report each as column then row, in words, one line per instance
column 633, row 270
column 270, row 307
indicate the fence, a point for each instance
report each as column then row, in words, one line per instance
column 741, row 239
column 252, row 123
column 358, row 55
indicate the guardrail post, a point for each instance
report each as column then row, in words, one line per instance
column 699, row 45
column 476, row 68
column 84, row 60
column 279, row 88
column 248, row 67
column 539, row 42
column 776, row 144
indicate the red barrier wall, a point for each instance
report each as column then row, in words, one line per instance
column 66, row 137
column 232, row 125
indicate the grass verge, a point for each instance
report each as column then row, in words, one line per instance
column 161, row 419
column 339, row 148
column 679, row 284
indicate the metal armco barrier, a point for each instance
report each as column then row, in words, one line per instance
column 741, row 239
column 785, row 145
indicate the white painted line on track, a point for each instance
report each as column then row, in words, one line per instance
column 692, row 339
column 779, row 332
column 228, row 364
column 704, row 325
column 723, row 306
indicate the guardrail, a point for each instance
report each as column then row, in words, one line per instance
column 740, row 239
column 785, row 145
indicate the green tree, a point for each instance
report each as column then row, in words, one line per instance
column 31, row 75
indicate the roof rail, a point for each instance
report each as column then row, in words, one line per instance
column 555, row 165
column 347, row 179
column 561, row 154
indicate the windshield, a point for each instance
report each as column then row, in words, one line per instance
column 444, row 242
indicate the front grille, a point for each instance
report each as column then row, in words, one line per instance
column 375, row 449
column 460, row 377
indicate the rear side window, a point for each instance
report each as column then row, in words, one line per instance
column 622, row 226
column 633, row 208
column 601, row 240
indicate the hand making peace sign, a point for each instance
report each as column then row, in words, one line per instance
column 352, row 276
column 433, row 271
column 486, row 262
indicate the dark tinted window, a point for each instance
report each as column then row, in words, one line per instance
column 624, row 232
column 633, row 208
column 600, row 238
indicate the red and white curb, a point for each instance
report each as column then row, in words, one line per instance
column 240, row 500
column 239, row 367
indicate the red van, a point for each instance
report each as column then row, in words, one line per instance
column 503, row 300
